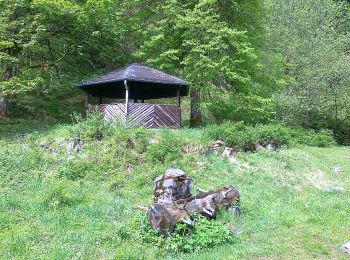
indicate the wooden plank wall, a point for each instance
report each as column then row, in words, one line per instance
column 166, row 116
column 113, row 112
column 140, row 114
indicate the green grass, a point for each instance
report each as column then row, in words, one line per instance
column 60, row 203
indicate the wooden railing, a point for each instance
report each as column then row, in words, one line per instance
column 141, row 114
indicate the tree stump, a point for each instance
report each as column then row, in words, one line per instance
column 173, row 202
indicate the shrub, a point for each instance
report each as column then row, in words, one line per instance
column 247, row 107
column 139, row 137
column 91, row 127
column 168, row 149
column 73, row 170
column 63, row 193
column 323, row 138
column 275, row 134
column 246, row 138
column 238, row 135
column 205, row 234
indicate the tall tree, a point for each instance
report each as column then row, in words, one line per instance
column 45, row 45
column 27, row 52
column 15, row 23
column 198, row 40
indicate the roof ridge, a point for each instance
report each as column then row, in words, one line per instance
column 136, row 63
column 135, row 71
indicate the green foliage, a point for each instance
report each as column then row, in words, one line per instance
column 139, row 138
column 250, row 108
column 69, row 191
column 205, row 234
column 252, row 61
column 166, row 150
column 47, row 45
column 63, row 193
column 58, row 202
column 91, row 127
column 281, row 135
column 15, row 86
column 73, row 170
column 244, row 137
column 313, row 39
column 198, row 40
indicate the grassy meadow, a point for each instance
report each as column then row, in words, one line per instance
column 67, row 194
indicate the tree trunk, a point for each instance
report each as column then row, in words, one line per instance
column 8, row 73
column 3, row 107
column 196, row 116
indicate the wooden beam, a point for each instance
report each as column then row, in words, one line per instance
column 178, row 103
column 86, row 100
column 126, row 100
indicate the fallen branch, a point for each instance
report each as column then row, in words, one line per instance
column 140, row 207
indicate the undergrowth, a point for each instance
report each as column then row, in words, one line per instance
column 205, row 234
column 247, row 138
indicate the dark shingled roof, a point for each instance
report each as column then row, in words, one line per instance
column 144, row 83
column 135, row 72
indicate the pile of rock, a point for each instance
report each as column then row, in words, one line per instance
column 216, row 146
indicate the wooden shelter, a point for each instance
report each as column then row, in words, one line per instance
column 136, row 83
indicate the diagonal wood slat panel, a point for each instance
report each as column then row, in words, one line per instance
column 113, row 112
column 167, row 116
column 140, row 114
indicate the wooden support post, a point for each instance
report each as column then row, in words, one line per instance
column 143, row 101
column 135, row 100
column 86, row 100
column 100, row 100
column 178, row 99
column 196, row 115
column 126, row 101
column 178, row 103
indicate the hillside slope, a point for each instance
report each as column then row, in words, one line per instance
column 62, row 196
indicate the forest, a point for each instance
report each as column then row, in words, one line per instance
column 267, row 116
column 252, row 61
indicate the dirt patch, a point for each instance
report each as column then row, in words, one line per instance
column 318, row 179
